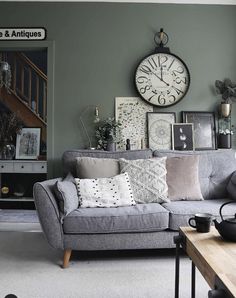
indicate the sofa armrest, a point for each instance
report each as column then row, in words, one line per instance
column 231, row 186
column 48, row 212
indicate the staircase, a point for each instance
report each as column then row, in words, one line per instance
column 28, row 92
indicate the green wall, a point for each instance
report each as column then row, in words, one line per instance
column 98, row 46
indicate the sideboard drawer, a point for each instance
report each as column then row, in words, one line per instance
column 23, row 167
column 40, row 167
column 6, row 167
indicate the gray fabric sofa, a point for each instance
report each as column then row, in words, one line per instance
column 144, row 226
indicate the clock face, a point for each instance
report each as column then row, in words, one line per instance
column 162, row 79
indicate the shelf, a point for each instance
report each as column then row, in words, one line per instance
column 20, row 177
column 23, row 166
column 17, row 199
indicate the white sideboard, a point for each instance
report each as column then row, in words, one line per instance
column 20, row 167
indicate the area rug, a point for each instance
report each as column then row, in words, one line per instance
column 31, row 268
column 17, row 215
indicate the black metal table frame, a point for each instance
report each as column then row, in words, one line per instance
column 219, row 291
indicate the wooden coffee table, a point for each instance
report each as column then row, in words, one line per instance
column 214, row 257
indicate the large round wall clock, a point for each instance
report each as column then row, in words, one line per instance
column 162, row 78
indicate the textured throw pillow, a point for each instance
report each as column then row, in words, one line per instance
column 90, row 168
column 182, row 178
column 67, row 195
column 148, row 179
column 105, row 192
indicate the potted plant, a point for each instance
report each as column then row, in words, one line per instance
column 108, row 133
column 227, row 89
column 10, row 125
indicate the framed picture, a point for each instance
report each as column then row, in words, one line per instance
column 28, row 143
column 182, row 136
column 159, row 130
column 203, row 127
column 131, row 113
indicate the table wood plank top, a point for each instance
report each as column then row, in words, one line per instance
column 213, row 256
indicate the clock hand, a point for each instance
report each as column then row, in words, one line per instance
column 165, row 83
column 161, row 74
column 160, row 79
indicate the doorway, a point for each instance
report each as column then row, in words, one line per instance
column 32, row 69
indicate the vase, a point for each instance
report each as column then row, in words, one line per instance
column 111, row 146
column 224, row 141
column 7, row 151
column 225, row 109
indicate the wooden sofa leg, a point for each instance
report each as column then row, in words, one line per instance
column 66, row 258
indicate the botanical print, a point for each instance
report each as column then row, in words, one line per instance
column 131, row 113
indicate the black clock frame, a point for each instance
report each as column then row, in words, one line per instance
column 167, row 51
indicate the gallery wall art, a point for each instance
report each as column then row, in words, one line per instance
column 28, row 143
column 159, row 130
column 131, row 113
column 182, row 136
column 203, row 128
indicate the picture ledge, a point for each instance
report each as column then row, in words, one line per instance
column 213, row 2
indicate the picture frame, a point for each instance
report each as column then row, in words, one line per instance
column 131, row 113
column 182, row 137
column 159, row 130
column 28, row 143
column 204, row 127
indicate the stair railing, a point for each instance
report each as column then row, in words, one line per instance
column 29, row 83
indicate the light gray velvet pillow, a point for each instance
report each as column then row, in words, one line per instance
column 147, row 178
column 67, row 195
column 182, row 178
column 91, row 168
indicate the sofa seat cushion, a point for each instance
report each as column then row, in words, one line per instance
column 181, row 211
column 139, row 218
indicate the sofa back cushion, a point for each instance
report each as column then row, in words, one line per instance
column 215, row 169
column 69, row 157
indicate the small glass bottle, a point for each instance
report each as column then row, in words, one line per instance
column 128, row 144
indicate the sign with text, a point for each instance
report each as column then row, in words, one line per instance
column 22, row 33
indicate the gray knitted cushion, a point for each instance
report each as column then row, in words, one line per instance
column 66, row 193
column 148, row 179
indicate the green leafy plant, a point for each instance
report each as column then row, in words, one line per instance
column 108, row 130
column 227, row 89
column 10, row 125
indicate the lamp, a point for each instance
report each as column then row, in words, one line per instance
column 5, row 74
column 88, row 112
